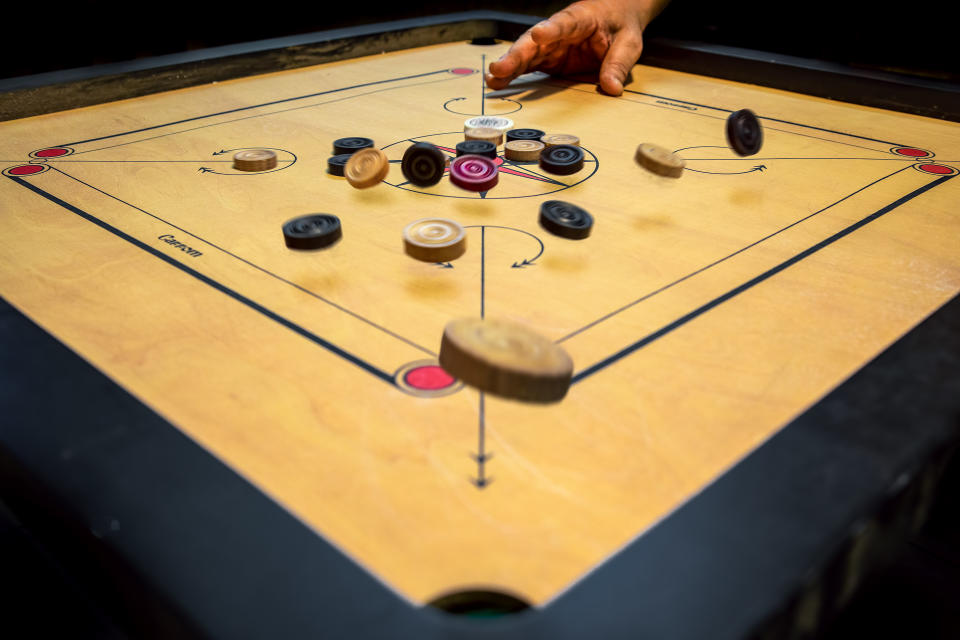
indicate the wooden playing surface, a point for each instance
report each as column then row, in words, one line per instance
column 702, row 314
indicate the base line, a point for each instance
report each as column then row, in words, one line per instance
column 676, row 324
column 329, row 346
column 252, row 106
column 331, row 303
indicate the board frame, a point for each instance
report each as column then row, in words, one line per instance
column 770, row 549
column 73, row 88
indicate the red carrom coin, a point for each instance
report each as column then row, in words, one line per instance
column 474, row 173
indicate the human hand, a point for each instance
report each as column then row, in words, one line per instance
column 591, row 34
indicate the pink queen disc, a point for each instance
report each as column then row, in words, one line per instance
column 474, row 173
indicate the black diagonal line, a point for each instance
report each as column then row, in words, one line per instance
column 660, row 290
column 699, row 311
column 329, row 346
column 312, row 294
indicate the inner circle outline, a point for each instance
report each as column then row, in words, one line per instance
column 587, row 152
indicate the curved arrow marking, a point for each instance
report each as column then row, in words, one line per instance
column 706, row 146
column 759, row 167
column 516, row 265
column 281, row 164
column 447, row 107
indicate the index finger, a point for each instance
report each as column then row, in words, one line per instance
column 514, row 62
column 573, row 24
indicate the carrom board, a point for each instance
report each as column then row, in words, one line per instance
column 703, row 314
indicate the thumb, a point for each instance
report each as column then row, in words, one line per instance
column 621, row 56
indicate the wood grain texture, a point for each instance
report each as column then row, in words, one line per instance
column 736, row 296
column 505, row 358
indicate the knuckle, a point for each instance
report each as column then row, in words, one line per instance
column 618, row 68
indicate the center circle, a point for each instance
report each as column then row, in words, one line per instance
column 516, row 179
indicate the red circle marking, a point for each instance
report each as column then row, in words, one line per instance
column 55, row 152
column 26, row 170
column 913, row 153
column 462, row 71
column 429, row 378
column 937, row 169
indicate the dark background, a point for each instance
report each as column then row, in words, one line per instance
column 917, row 37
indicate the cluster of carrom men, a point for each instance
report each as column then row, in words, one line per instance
column 494, row 355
